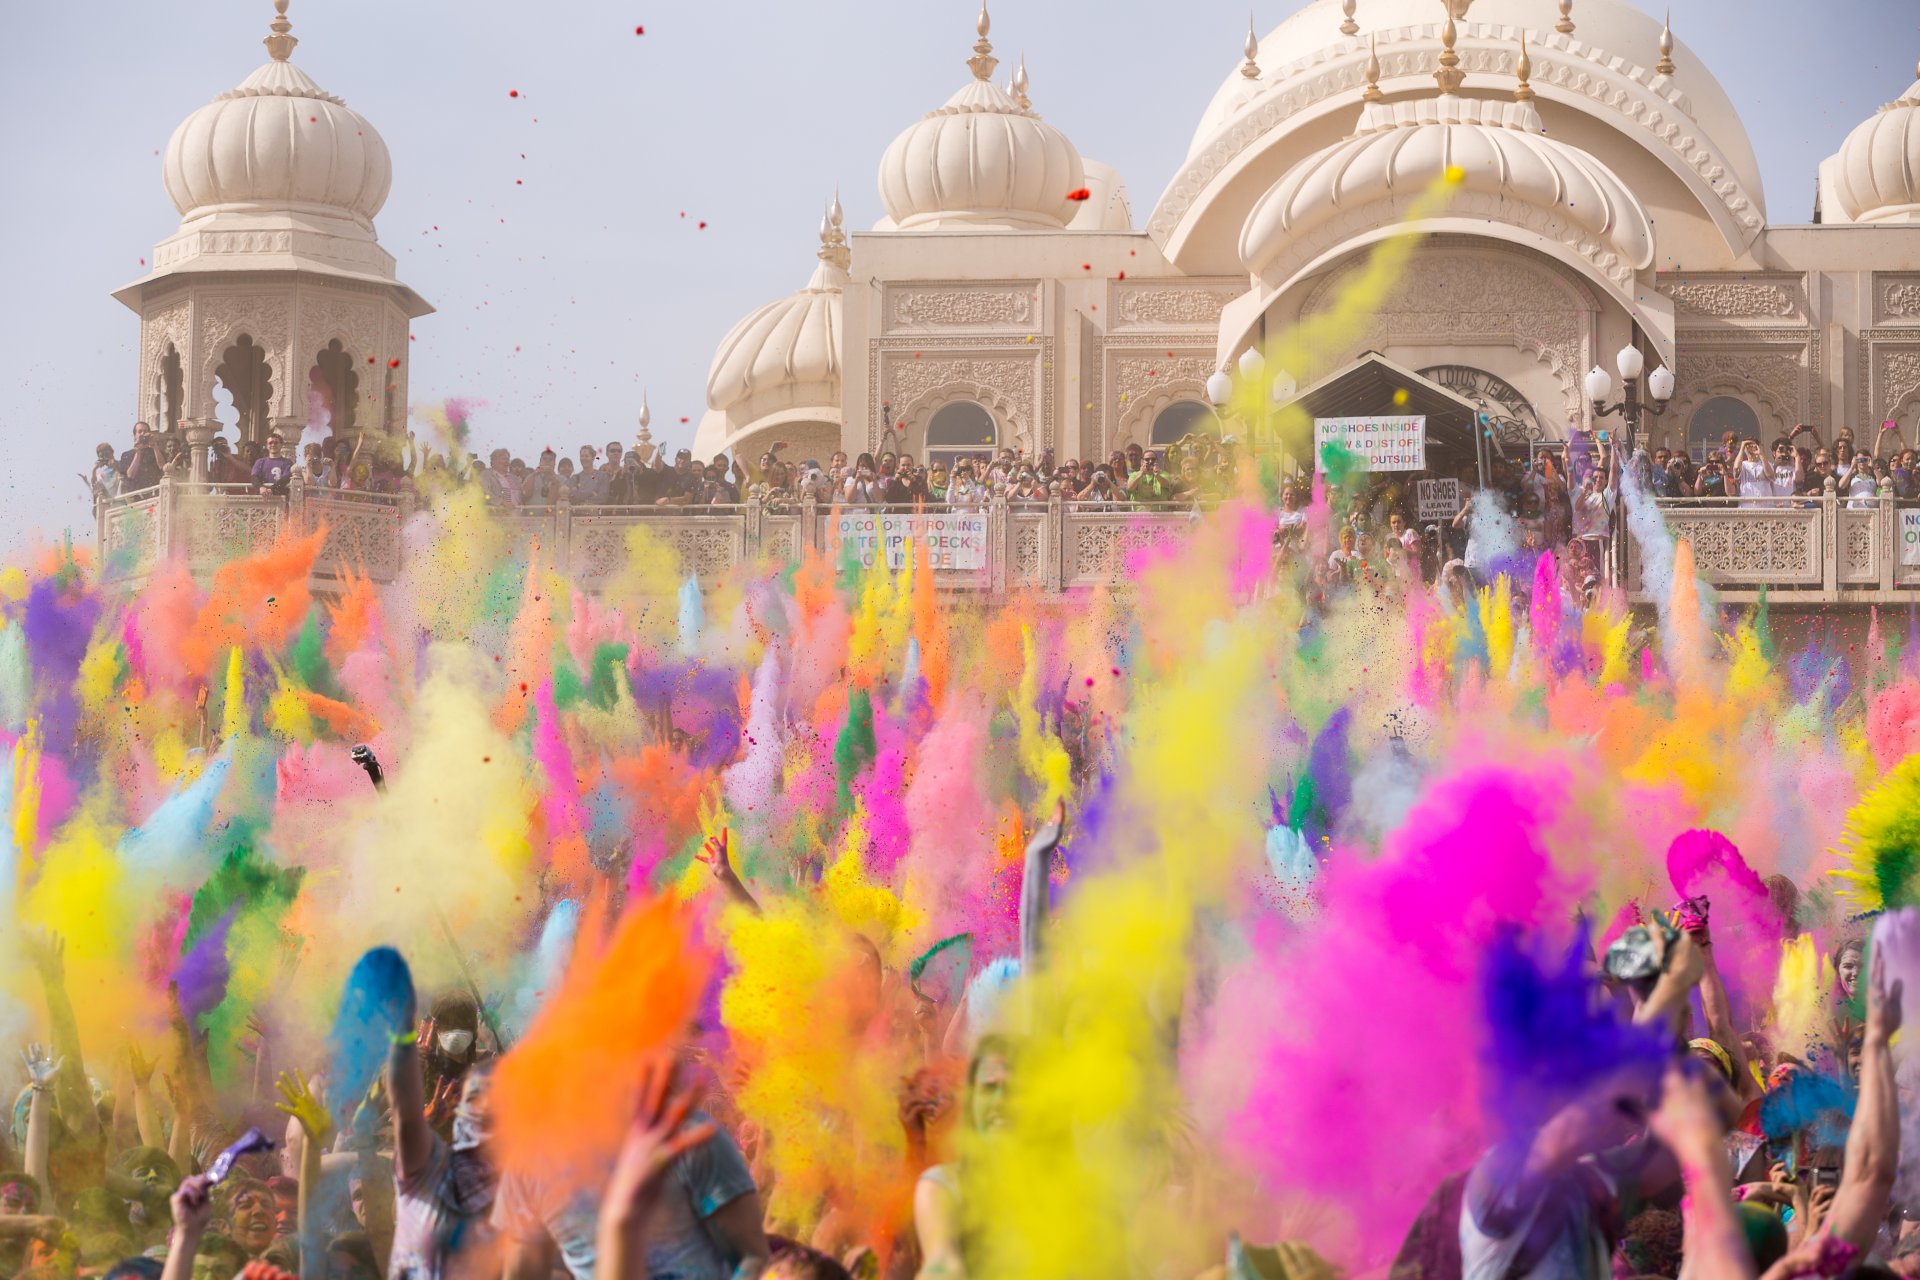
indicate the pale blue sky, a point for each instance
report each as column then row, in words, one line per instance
column 741, row 114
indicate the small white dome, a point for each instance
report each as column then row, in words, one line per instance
column 787, row 353
column 982, row 160
column 1401, row 149
column 1877, row 177
column 278, row 142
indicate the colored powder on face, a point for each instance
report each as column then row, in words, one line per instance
column 563, row 1098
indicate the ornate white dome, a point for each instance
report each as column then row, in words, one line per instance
column 982, row 160
column 1877, row 172
column 1402, row 149
column 278, row 142
column 787, row 354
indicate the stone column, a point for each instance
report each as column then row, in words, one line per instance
column 200, row 433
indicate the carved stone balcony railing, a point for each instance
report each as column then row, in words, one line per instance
column 1820, row 549
column 1049, row 546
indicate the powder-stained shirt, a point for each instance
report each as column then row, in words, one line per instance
column 432, row 1238
column 680, row 1245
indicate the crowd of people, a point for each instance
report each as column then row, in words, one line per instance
column 1195, row 469
column 1375, row 982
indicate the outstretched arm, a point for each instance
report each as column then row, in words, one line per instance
column 299, row 1101
column 1033, row 889
column 1719, row 1010
column 715, row 851
column 75, row 1099
column 1686, row 1124
column 192, row 1210
column 1873, row 1141
column 407, row 1093
column 42, row 1069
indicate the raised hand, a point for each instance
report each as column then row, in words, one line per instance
column 1883, row 1001
column 654, row 1140
column 445, row 1098
column 140, row 1065
column 299, row 1101
column 192, row 1206
column 48, row 951
column 715, row 851
column 41, row 1066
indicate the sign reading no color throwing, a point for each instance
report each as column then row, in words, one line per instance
column 953, row 539
column 1383, row 444
column 1909, row 536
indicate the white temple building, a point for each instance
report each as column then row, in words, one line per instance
column 1607, row 194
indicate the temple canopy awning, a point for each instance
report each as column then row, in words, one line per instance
column 1374, row 386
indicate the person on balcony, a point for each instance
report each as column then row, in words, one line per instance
column 590, row 482
column 1712, row 480
column 496, row 482
column 1760, row 481
column 222, row 466
column 1858, row 484
column 104, row 481
column 542, row 486
column 150, row 473
column 272, row 472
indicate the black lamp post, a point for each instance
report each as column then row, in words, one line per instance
column 1633, row 411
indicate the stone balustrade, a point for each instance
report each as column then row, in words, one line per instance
column 1820, row 549
column 1049, row 546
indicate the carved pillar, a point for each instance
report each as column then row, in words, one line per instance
column 756, row 528
column 1830, row 539
column 1886, row 536
column 1053, row 540
column 290, row 429
column 999, row 541
column 200, row 433
column 809, row 534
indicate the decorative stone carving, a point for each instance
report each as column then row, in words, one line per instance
column 362, row 536
column 1783, row 375
column 1735, row 299
column 1024, row 567
column 1627, row 91
column 1141, row 385
column 1454, row 298
column 222, row 317
column 1151, row 305
column 1000, row 308
column 1102, row 545
column 216, row 532
column 917, row 379
column 1898, row 297
column 1859, row 545
column 596, row 549
column 1761, row 547
column 707, row 549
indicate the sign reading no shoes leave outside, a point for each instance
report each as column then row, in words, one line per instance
column 1437, row 499
column 1383, row 444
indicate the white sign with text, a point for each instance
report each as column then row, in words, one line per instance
column 1437, row 499
column 953, row 539
column 1909, row 536
column 1383, row 444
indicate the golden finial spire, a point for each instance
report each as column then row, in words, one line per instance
column 983, row 62
column 1565, row 25
column 1523, row 68
column 833, row 241
column 1665, row 66
column 1349, row 27
column 1450, row 76
column 1251, row 67
column 646, row 420
column 1018, row 85
column 280, row 44
column 1373, row 93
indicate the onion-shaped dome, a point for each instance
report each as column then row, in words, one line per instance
column 1877, row 177
column 787, row 353
column 982, row 160
column 1498, row 149
column 278, row 142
